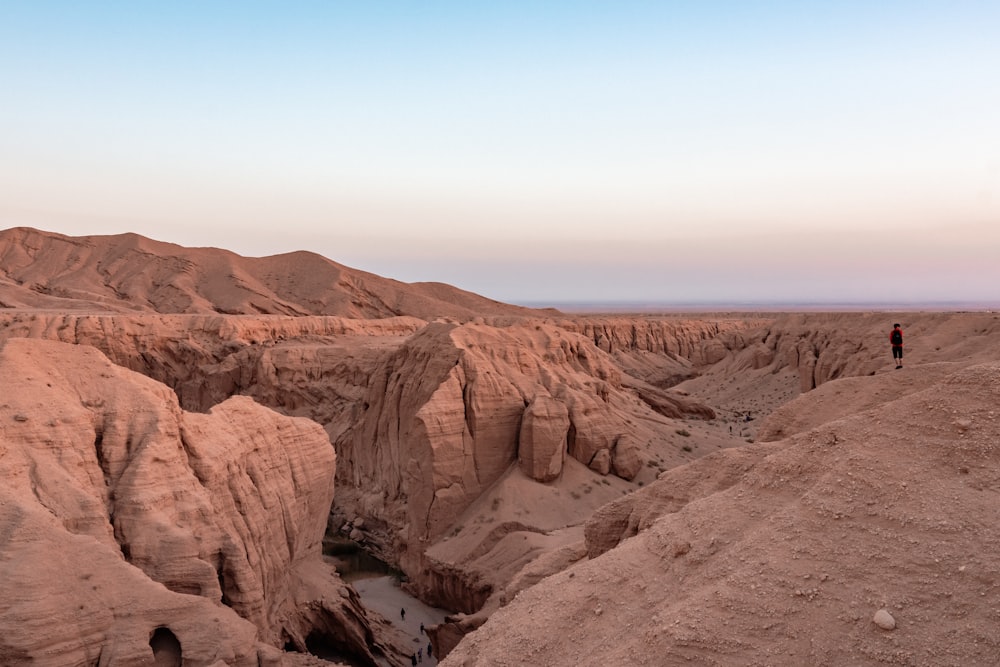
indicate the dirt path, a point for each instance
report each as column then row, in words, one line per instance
column 381, row 594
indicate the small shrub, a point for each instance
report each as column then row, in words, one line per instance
column 683, row 431
column 686, row 448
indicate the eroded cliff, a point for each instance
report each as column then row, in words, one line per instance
column 123, row 514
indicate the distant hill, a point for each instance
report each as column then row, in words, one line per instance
column 128, row 272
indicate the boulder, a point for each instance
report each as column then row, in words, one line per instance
column 542, row 441
column 626, row 458
column 601, row 463
column 593, row 427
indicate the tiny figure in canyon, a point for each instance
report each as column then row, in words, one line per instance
column 896, row 339
column 402, row 614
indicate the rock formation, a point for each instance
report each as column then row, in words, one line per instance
column 806, row 550
column 124, row 516
column 455, row 407
column 376, row 385
column 541, row 443
column 485, row 449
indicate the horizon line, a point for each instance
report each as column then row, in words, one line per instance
column 757, row 305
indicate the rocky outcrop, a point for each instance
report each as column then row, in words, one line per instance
column 541, row 446
column 676, row 337
column 448, row 413
column 791, row 552
column 626, row 460
column 628, row 516
column 593, row 431
column 145, row 517
column 288, row 363
column 821, row 347
column 425, row 416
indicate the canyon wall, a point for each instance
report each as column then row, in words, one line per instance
column 124, row 516
column 869, row 538
column 425, row 416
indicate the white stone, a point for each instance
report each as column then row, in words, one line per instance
column 884, row 620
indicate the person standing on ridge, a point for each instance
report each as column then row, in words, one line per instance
column 896, row 338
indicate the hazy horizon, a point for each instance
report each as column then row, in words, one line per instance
column 530, row 152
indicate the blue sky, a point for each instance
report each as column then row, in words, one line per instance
column 529, row 151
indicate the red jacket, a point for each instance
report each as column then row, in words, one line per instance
column 900, row 337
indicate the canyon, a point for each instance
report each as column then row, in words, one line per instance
column 585, row 489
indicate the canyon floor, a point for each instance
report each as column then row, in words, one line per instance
column 716, row 489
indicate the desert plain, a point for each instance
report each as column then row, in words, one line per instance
column 182, row 428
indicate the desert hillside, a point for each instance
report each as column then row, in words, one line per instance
column 599, row 489
column 126, row 518
column 868, row 539
column 129, row 272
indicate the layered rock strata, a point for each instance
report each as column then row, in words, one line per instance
column 870, row 539
column 456, row 408
column 124, row 515
column 427, row 417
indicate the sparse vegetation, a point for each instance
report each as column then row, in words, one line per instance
column 687, row 448
column 683, row 431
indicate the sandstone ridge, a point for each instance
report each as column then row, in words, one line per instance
column 794, row 551
column 462, row 389
column 201, row 527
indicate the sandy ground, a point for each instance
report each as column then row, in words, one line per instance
column 872, row 495
column 381, row 594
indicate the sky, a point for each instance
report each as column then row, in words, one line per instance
column 534, row 152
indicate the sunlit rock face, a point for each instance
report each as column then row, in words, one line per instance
column 123, row 514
